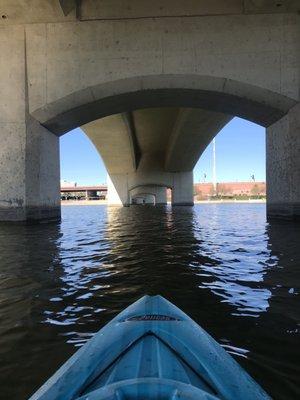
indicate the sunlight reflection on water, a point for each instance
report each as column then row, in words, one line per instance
column 230, row 270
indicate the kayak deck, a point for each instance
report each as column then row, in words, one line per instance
column 149, row 357
column 151, row 350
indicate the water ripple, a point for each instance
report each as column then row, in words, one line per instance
column 233, row 272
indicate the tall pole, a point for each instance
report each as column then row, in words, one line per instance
column 214, row 167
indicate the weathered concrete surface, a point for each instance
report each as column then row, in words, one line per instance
column 107, row 9
column 81, row 71
column 62, row 71
column 116, row 9
column 36, row 11
column 33, row 11
column 115, row 140
column 42, row 179
column 283, row 167
column 29, row 180
column 29, row 154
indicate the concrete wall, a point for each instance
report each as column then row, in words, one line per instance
column 12, row 122
column 81, row 71
column 38, row 11
column 116, row 9
column 29, row 153
column 283, row 166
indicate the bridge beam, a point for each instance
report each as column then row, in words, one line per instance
column 283, row 166
column 193, row 131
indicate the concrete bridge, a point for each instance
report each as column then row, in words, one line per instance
column 151, row 83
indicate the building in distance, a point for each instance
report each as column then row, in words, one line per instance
column 202, row 191
column 230, row 190
column 74, row 192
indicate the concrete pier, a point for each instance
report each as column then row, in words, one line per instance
column 183, row 189
column 29, row 153
column 283, row 167
column 151, row 87
column 117, row 190
column 29, row 179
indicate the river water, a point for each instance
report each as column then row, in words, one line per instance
column 234, row 273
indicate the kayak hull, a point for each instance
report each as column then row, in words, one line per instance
column 151, row 350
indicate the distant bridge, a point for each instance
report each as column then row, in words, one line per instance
column 86, row 192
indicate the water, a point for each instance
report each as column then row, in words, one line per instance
column 224, row 265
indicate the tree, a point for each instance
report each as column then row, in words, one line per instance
column 255, row 190
column 224, row 190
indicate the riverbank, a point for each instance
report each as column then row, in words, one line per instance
column 231, row 201
column 83, row 202
column 104, row 202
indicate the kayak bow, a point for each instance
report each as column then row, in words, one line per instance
column 151, row 351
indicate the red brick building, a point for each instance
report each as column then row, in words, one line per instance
column 230, row 189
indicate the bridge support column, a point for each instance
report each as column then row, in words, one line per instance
column 117, row 190
column 29, row 173
column 160, row 195
column 29, row 153
column 283, row 167
column 183, row 189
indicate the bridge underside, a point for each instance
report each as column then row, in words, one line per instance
column 151, row 85
column 154, row 147
column 159, row 147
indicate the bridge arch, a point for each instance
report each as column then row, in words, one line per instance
column 64, row 74
column 224, row 95
column 157, row 193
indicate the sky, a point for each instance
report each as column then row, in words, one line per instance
column 240, row 153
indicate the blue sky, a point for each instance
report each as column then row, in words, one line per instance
column 240, row 152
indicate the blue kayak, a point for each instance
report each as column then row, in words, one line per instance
column 151, row 351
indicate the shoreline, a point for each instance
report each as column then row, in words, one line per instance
column 83, row 202
column 104, row 202
column 229, row 201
